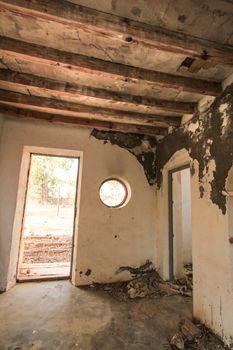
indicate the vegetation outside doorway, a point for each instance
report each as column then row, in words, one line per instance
column 48, row 217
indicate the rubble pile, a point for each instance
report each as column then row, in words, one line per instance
column 190, row 335
column 147, row 284
column 195, row 336
column 184, row 285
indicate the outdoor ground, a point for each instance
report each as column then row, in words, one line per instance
column 47, row 234
column 47, row 249
column 47, row 241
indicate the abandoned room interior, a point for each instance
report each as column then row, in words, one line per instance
column 116, row 174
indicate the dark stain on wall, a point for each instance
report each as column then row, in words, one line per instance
column 136, row 11
column 141, row 146
column 137, row 271
column 88, row 272
column 208, row 138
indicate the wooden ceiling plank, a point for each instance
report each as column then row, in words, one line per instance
column 103, row 68
column 82, row 110
column 28, row 80
column 20, row 113
column 122, row 28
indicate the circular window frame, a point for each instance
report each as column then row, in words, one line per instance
column 127, row 195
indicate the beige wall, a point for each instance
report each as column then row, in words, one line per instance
column 98, row 249
column 213, row 293
column 212, row 252
column 1, row 126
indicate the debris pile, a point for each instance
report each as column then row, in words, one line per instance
column 195, row 336
column 147, row 284
column 184, row 285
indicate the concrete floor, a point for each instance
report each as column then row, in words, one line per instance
column 57, row 315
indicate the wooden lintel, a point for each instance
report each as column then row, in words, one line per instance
column 28, row 80
column 36, row 53
column 120, row 28
column 20, row 113
column 84, row 110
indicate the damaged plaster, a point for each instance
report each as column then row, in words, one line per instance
column 208, row 138
column 141, row 146
column 136, row 271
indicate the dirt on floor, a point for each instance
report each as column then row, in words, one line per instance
column 149, row 284
column 47, row 249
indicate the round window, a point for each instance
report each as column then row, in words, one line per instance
column 113, row 193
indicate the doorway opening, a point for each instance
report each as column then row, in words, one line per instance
column 180, row 225
column 48, row 219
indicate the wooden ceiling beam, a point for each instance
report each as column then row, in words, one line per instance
column 124, row 29
column 10, row 111
column 76, row 90
column 94, row 66
column 75, row 109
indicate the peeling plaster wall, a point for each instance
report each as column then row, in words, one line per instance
column 108, row 239
column 212, row 260
column 141, row 146
column 212, row 252
column 208, row 138
column 206, row 142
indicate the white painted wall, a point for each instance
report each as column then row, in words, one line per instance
column 212, row 252
column 213, row 283
column 98, row 249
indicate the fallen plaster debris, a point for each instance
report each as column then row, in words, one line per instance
column 184, row 284
column 195, row 336
column 147, row 284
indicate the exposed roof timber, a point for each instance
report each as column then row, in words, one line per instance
column 20, row 113
column 37, row 53
column 122, row 29
column 28, row 80
column 76, row 109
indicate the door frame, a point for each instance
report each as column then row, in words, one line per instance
column 171, row 217
column 28, row 151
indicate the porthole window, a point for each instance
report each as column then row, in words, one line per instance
column 113, row 193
